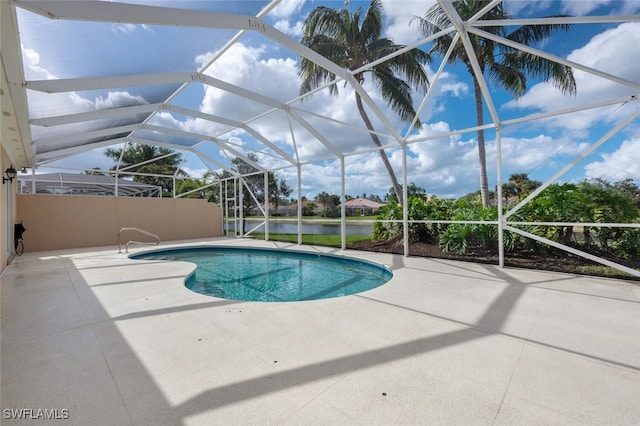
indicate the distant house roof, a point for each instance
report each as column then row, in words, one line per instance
column 359, row 203
column 77, row 184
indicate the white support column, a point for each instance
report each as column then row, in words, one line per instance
column 225, row 212
column 405, row 202
column 33, row 180
column 299, row 167
column 499, row 194
column 241, row 205
column 343, row 208
column 174, row 186
column 266, row 206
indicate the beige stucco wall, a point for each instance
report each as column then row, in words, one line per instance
column 72, row 221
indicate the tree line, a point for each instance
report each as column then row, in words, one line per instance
column 589, row 201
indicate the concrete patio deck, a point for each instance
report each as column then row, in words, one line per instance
column 105, row 340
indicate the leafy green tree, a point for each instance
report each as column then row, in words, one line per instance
column 353, row 41
column 308, row 209
column 278, row 188
column 606, row 206
column 519, row 186
column 388, row 222
column 186, row 185
column 252, row 182
column 376, row 198
column 413, row 190
column 280, row 192
column 584, row 202
column 505, row 66
column 626, row 187
column 331, row 211
column 460, row 237
column 328, row 199
column 331, row 204
column 135, row 154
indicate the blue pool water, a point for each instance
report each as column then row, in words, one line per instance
column 273, row 275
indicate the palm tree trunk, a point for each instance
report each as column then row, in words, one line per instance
column 383, row 155
column 482, row 156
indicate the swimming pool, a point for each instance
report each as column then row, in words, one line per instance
column 270, row 275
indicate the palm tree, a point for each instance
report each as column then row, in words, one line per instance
column 505, row 66
column 353, row 41
column 166, row 164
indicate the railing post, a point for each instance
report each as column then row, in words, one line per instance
column 136, row 242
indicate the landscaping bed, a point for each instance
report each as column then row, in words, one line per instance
column 550, row 260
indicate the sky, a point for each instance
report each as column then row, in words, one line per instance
column 445, row 165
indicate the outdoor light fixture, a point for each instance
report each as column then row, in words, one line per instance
column 11, row 174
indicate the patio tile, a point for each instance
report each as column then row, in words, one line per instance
column 582, row 389
column 317, row 412
column 516, row 411
column 601, row 327
column 41, row 318
column 61, row 371
column 118, row 342
column 240, row 390
column 475, row 355
column 411, row 391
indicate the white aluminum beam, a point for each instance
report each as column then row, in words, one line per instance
column 206, row 159
column 100, row 11
column 65, row 141
column 610, row 19
column 13, row 74
column 319, row 136
column 218, row 142
column 95, row 115
column 151, row 15
column 540, row 53
column 460, row 26
column 621, row 125
column 95, row 83
column 433, row 84
column 55, row 154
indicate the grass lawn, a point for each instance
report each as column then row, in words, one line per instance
column 316, row 239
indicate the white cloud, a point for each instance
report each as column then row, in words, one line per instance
column 608, row 52
column 446, row 166
column 124, row 28
column 584, row 7
column 129, row 28
column 118, row 99
column 33, row 70
column 287, row 8
column 399, row 14
column 277, row 78
column 286, row 17
column 286, row 27
column 528, row 7
column 618, row 165
column 243, row 66
column 572, row 7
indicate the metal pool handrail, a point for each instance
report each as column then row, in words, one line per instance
column 137, row 242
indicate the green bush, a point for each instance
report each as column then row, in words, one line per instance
column 331, row 211
column 628, row 245
column 582, row 203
